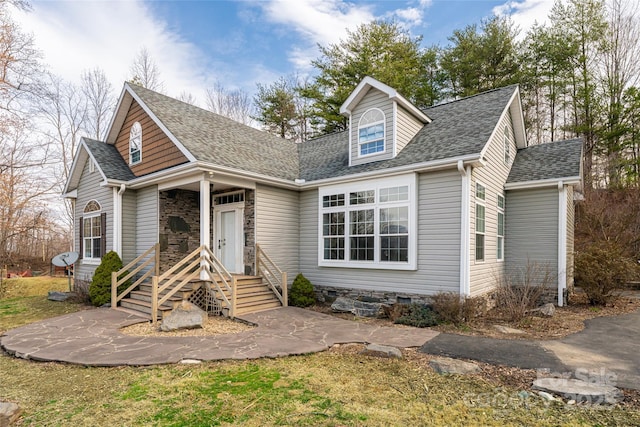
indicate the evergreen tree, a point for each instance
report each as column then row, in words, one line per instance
column 482, row 60
column 382, row 50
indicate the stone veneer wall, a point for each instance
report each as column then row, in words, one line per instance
column 179, row 225
column 249, row 232
column 330, row 293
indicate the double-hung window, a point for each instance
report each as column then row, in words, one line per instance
column 480, row 221
column 501, row 225
column 368, row 225
column 135, row 144
column 91, row 231
column 371, row 132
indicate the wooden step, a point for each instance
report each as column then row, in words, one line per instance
column 146, row 296
column 257, row 307
column 143, row 306
column 189, row 287
column 146, row 293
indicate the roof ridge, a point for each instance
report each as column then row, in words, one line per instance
column 207, row 111
column 335, row 132
column 474, row 95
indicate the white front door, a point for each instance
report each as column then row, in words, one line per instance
column 229, row 245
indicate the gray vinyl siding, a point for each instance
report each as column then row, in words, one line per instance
column 532, row 229
column 129, row 203
column 373, row 99
column 146, row 219
column 407, row 127
column 438, row 262
column 570, row 233
column 485, row 274
column 277, row 226
column 89, row 189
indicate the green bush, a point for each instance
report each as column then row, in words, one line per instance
column 301, row 294
column 602, row 271
column 418, row 315
column 100, row 288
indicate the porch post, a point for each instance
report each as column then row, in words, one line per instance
column 205, row 221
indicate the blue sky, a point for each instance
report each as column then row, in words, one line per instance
column 236, row 43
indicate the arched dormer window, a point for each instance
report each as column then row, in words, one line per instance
column 135, row 144
column 371, row 132
column 92, row 232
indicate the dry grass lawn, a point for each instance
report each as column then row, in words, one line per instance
column 339, row 387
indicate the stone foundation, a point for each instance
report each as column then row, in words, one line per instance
column 330, row 293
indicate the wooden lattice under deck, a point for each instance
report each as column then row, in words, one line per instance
column 206, row 301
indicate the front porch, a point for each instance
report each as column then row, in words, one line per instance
column 200, row 278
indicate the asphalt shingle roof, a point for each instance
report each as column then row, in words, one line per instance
column 458, row 128
column 216, row 139
column 547, row 161
column 109, row 160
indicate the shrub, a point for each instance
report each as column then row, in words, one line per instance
column 301, row 294
column 520, row 291
column 418, row 315
column 602, row 271
column 100, row 288
column 395, row 311
column 453, row 308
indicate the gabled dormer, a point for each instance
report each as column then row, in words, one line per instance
column 381, row 122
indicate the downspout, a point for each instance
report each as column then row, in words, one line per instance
column 465, row 288
column 562, row 242
column 117, row 219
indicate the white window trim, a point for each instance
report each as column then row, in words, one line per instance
column 500, row 210
column 85, row 216
column 483, row 203
column 131, row 162
column 384, row 134
column 409, row 180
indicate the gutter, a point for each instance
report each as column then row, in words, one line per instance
column 542, row 183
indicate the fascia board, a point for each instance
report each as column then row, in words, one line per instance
column 543, row 183
column 473, row 160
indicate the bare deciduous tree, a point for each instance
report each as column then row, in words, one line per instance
column 188, row 98
column 144, row 71
column 234, row 104
column 22, row 186
column 19, row 60
column 63, row 109
column 98, row 93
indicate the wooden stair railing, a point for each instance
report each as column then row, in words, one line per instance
column 154, row 270
column 219, row 274
column 274, row 276
column 188, row 269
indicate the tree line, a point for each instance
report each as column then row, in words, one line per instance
column 578, row 76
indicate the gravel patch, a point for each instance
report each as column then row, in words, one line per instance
column 214, row 325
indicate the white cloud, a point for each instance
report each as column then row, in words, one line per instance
column 319, row 21
column 525, row 13
column 76, row 35
column 327, row 22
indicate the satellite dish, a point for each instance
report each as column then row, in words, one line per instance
column 65, row 259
